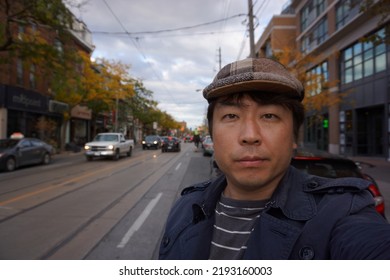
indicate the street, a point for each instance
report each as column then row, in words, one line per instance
column 104, row 209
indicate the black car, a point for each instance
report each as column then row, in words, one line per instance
column 328, row 165
column 170, row 144
column 151, row 141
column 15, row 153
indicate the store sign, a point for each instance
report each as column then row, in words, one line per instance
column 58, row 107
column 81, row 112
column 26, row 100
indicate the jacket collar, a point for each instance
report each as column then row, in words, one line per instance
column 292, row 197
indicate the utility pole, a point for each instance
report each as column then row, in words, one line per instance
column 251, row 30
column 219, row 58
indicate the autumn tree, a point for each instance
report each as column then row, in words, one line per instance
column 145, row 109
column 379, row 8
column 23, row 33
column 318, row 95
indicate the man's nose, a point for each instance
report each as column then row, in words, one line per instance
column 250, row 133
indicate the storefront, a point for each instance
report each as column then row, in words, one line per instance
column 27, row 112
column 80, row 125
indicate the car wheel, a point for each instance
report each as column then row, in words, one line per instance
column 46, row 159
column 10, row 164
column 129, row 152
column 116, row 156
column 89, row 158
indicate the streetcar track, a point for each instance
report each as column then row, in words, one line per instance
column 98, row 215
column 58, row 181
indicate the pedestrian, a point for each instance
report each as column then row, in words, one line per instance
column 196, row 138
column 261, row 207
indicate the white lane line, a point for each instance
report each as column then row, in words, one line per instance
column 178, row 166
column 140, row 220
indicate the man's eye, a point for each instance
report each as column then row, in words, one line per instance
column 230, row 116
column 269, row 116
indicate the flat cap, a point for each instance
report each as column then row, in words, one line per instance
column 254, row 74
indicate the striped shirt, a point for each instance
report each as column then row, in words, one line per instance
column 234, row 222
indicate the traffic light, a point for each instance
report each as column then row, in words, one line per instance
column 325, row 123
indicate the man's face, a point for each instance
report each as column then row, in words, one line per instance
column 253, row 145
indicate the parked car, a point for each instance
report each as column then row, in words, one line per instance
column 208, row 146
column 328, row 165
column 108, row 145
column 169, row 143
column 21, row 151
column 332, row 166
column 151, row 141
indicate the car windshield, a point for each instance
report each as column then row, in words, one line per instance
column 150, row 138
column 327, row 168
column 8, row 143
column 106, row 137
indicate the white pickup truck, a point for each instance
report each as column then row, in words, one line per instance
column 108, row 145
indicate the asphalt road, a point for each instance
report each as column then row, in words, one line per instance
column 104, row 209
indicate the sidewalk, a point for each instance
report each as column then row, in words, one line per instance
column 378, row 168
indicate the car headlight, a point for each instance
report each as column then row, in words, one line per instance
column 86, row 147
column 143, row 142
column 110, row 147
column 155, row 142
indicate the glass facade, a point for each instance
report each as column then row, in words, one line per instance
column 363, row 59
column 316, row 79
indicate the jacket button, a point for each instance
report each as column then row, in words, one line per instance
column 306, row 253
column 312, row 184
column 166, row 241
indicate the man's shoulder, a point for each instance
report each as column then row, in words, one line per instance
column 199, row 187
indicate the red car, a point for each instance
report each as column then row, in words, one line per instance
column 332, row 166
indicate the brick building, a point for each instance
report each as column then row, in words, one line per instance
column 331, row 31
column 27, row 102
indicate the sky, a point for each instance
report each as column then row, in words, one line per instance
column 175, row 47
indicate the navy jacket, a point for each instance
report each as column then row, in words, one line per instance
column 308, row 217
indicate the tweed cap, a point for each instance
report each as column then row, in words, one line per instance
column 254, row 74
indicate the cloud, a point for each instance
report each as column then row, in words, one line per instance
column 174, row 64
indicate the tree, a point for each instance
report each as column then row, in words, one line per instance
column 317, row 87
column 23, row 33
column 379, row 8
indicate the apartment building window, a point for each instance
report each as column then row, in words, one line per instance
column 21, row 31
column 268, row 49
column 310, row 12
column 316, row 79
column 316, row 36
column 345, row 11
column 363, row 59
column 58, row 45
column 33, row 84
column 19, row 71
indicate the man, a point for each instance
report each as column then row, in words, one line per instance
column 263, row 208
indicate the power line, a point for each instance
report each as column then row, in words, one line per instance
column 165, row 30
column 137, row 46
column 164, row 35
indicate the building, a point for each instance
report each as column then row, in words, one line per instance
column 358, row 71
column 27, row 101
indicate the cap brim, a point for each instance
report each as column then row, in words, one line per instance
column 250, row 86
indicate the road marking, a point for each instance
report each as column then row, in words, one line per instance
column 139, row 222
column 178, row 166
